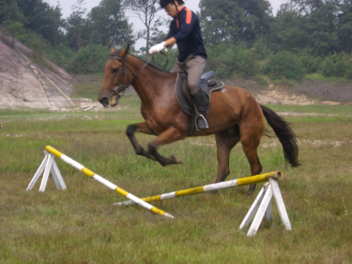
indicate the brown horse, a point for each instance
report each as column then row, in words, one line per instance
column 234, row 115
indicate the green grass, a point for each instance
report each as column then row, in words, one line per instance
column 321, row 77
column 80, row 225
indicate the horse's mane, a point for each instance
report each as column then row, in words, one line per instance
column 117, row 53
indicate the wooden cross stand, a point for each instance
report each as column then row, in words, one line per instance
column 262, row 205
column 49, row 165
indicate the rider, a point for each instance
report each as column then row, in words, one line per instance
column 186, row 33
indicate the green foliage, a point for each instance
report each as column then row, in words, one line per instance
column 334, row 66
column 311, row 64
column 234, row 21
column 11, row 31
column 284, row 64
column 108, row 25
column 240, row 36
column 10, row 12
column 229, row 60
column 90, row 59
column 61, row 55
column 349, row 69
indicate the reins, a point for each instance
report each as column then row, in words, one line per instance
column 121, row 88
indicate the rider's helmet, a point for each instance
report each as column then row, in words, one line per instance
column 164, row 3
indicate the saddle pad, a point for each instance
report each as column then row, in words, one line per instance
column 184, row 97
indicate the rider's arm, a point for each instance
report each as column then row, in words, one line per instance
column 169, row 42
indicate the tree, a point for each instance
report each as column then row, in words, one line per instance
column 289, row 28
column 146, row 11
column 322, row 21
column 108, row 25
column 10, row 12
column 344, row 28
column 75, row 25
column 234, row 21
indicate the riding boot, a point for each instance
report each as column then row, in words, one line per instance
column 202, row 102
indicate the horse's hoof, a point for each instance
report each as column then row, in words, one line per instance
column 175, row 159
column 214, row 192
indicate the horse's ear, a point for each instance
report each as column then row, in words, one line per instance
column 125, row 51
column 112, row 50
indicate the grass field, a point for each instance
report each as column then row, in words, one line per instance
column 81, row 224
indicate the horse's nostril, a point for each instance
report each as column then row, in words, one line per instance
column 104, row 101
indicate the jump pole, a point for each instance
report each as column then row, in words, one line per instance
column 211, row 187
column 260, row 208
column 91, row 174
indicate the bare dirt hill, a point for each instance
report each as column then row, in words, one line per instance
column 23, row 83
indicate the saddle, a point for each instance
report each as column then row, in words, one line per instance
column 207, row 83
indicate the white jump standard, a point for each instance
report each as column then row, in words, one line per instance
column 50, row 165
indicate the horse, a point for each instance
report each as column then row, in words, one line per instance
column 234, row 115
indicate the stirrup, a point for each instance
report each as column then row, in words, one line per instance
column 205, row 120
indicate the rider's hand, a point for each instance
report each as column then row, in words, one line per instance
column 157, row 48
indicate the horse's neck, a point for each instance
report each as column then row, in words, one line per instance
column 150, row 82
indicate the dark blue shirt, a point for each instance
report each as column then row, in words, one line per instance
column 186, row 30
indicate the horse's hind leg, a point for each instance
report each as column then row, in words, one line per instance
column 225, row 141
column 250, row 145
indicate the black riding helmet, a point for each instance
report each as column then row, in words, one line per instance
column 164, row 3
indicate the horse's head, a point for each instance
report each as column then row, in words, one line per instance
column 115, row 78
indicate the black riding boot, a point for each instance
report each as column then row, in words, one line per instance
column 202, row 101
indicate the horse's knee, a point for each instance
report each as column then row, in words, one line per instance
column 130, row 130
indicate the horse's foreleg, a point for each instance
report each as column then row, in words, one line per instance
column 130, row 131
column 168, row 136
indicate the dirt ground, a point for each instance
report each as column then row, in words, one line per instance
column 23, row 83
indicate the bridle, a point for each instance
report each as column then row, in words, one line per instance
column 122, row 87
column 118, row 90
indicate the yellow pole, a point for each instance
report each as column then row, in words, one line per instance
column 213, row 187
column 105, row 182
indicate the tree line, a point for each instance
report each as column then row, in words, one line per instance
column 243, row 38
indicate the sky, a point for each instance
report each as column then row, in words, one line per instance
column 66, row 6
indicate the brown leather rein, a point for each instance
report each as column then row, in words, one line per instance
column 122, row 87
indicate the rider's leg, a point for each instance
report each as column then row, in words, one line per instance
column 195, row 67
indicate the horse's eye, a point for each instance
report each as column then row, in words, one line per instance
column 115, row 70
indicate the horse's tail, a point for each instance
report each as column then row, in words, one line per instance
column 285, row 134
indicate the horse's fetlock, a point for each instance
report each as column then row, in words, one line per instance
column 151, row 148
column 140, row 151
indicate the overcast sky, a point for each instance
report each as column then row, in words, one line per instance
column 66, row 6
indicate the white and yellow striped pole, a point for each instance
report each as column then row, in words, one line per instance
column 212, row 187
column 105, row 182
